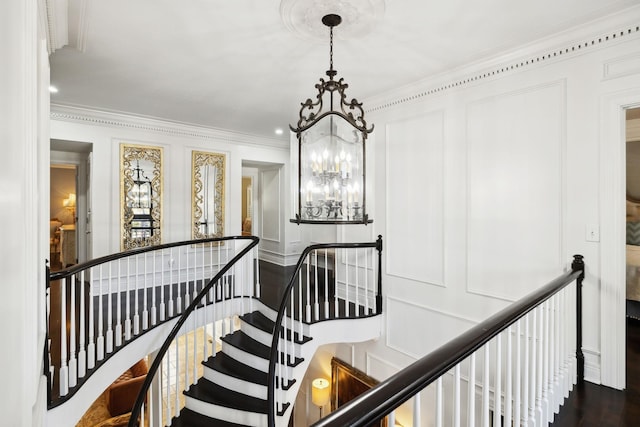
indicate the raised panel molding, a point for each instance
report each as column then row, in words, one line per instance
column 516, row 145
column 415, row 198
column 270, row 205
column 386, row 368
column 621, row 67
column 403, row 313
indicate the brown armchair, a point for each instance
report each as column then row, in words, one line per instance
column 122, row 394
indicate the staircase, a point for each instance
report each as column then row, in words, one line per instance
column 233, row 390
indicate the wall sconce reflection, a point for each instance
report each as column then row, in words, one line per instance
column 70, row 204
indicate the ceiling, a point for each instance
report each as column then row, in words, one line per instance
column 243, row 65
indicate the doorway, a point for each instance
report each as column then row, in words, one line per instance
column 632, row 233
column 62, row 216
column 70, row 203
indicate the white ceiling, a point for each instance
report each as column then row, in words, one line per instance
column 236, row 65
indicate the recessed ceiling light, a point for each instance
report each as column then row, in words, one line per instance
column 53, row 89
column 279, row 131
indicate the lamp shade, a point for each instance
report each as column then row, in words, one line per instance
column 320, row 391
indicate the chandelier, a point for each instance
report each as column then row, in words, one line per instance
column 331, row 163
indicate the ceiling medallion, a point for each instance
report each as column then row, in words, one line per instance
column 304, row 17
column 330, row 152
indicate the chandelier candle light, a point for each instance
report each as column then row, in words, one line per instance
column 330, row 153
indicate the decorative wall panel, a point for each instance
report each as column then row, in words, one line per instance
column 271, row 205
column 515, row 146
column 442, row 327
column 415, row 211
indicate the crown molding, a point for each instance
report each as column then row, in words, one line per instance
column 54, row 20
column 78, row 23
column 615, row 28
column 75, row 114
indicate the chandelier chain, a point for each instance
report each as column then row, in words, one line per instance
column 331, row 48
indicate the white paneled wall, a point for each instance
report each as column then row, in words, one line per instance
column 415, row 202
column 485, row 181
column 515, row 166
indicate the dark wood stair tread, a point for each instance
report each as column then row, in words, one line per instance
column 262, row 322
column 189, row 418
column 245, row 343
column 226, row 364
column 209, row 392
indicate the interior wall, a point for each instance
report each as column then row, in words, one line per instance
column 107, row 131
column 487, row 182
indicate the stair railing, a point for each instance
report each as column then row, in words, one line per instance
column 530, row 341
column 95, row 308
column 177, row 365
column 330, row 281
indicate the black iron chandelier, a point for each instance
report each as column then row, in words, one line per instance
column 331, row 160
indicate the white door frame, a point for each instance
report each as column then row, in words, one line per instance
column 612, row 236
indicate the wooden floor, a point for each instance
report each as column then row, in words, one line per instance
column 591, row 405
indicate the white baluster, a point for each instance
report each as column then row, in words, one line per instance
column 100, row 340
column 518, row 375
column 357, row 285
column 73, row 363
column 82, row 353
column 417, row 415
column 162, row 306
column 486, row 386
column 316, row 304
column 525, row 373
column 439, row 405
column 91, row 347
column 145, row 297
column 471, row 405
column 179, row 291
column 456, row 399
column 136, row 310
column 109, row 341
column 299, row 302
column 176, row 373
column 170, row 282
column 540, row 412
column 127, row 317
column 509, row 380
column 154, row 287
column 366, row 281
column 166, row 373
column 326, row 284
column 64, row 370
column 547, row 364
column 118, row 331
column 335, row 283
column 307, row 307
column 532, row 365
column 346, row 283
column 497, row 396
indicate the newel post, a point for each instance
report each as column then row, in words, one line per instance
column 578, row 265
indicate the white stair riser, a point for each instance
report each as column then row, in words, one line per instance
column 256, row 333
column 247, row 358
column 236, row 384
column 224, row 413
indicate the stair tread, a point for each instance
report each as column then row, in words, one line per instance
column 226, row 364
column 262, row 322
column 244, row 342
column 206, row 391
column 189, row 418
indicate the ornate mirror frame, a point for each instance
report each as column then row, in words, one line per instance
column 207, row 194
column 141, row 192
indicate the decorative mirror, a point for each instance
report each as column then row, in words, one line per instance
column 207, row 202
column 140, row 195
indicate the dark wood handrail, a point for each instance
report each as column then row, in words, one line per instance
column 157, row 361
column 394, row 391
column 61, row 274
column 271, row 415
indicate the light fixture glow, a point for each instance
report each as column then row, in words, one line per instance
column 53, row 89
column 279, row 131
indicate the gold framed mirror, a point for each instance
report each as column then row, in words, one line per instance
column 140, row 195
column 207, row 194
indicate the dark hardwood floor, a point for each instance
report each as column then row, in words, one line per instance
column 591, row 405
